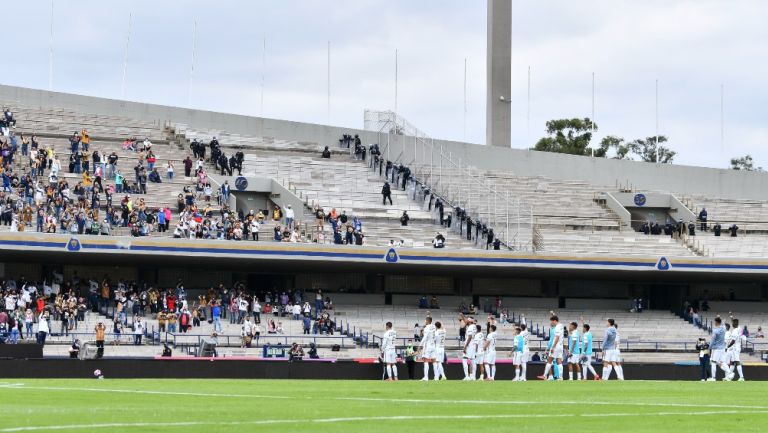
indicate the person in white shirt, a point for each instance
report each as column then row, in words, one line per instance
column 734, row 350
column 388, row 353
column 490, row 354
column 555, row 351
column 138, row 331
column 439, row 352
column 43, row 329
column 477, row 341
column 468, row 352
column 428, row 346
column 289, row 217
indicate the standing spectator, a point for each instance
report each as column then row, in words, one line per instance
column 703, row 219
column 169, row 169
column 216, row 316
column 326, row 153
column 101, row 331
column 187, row 167
column 703, row 347
column 404, row 219
column 289, row 214
column 386, row 193
column 138, row 330
column 43, row 328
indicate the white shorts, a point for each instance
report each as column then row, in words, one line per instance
column 480, row 358
column 734, row 356
column 519, row 358
column 428, row 352
column 718, row 356
column 440, row 354
column 611, row 355
column 490, row 357
column 586, row 359
column 574, row 359
column 557, row 353
column 470, row 354
column 390, row 356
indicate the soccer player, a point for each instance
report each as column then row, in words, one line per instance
column 477, row 341
column 526, row 352
column 428, row 346
column 555, row 350
column 609, row 350
column 490, row 354
column 388, row 351
column 439, row 352
column 617, row 365
column 574, row 350
column 734, row 349
column 517, row 351
column 468, row 353
column 717, row 347
column 586, row 349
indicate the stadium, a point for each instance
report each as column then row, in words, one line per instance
column 170, row 265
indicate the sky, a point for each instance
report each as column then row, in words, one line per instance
column 698, row 50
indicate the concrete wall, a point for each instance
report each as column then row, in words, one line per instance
column 684, row 180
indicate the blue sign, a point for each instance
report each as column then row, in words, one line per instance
column 391, row 256
column 640, row 199
column 241, row 183
column 73, row 245
column 663, row 264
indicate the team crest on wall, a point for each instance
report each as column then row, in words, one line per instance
column 391, row 256
column 663, row 264
column 73, row 245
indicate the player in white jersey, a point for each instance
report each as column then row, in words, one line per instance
column 618, row 367
column 555, row 351
column 526, row 351
column 468, row 352
column 439, row 351
column 734, row 350
column 477, row 341
column 428, row 346
column 489, row 346
column 727, row 352
column 388, row 353
column 574, row 351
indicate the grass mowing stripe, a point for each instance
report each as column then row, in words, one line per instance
column 390, row 400
column 361, row 419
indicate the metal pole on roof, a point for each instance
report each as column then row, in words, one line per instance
column 192, row 67
column 465, row 99
column 329, row 83
column 50, row 54
column 125, row 57
column 395, row 80
column 658, row 153
column 263, row 73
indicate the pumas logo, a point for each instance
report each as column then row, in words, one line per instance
column 663, row 264
column 73, row 245
column 391, row 256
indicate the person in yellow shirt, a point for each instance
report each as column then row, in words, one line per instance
column 85, row 139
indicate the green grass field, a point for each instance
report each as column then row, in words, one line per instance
column 371, row 406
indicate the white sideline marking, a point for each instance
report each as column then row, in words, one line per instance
column 391, row 400
column 363, row 419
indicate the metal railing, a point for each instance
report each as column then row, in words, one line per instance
column 453, row 180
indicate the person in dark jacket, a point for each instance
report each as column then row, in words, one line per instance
column 734, row 230
column 386, row 193
column 703, row 219
column 326, row 153
column 716, row 229
column 404, row 219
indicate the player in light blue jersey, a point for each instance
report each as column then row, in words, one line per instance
column 610, row 356
column 717, row 347
column 518, row 346
column 587, row 352
column 574, row 350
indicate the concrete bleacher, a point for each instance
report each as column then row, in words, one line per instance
column 610, row 243
column 753, row 246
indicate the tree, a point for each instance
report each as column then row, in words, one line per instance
column 571, row 136
column 744, row 163
column 609, row 142
column 650, row 149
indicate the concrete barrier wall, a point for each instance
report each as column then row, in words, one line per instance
column 684, row 180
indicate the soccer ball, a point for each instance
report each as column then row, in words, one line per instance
column 97, row 374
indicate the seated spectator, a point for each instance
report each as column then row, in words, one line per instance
column 716, row 229
column 296, row 353
column 759, row 333
column 326, row 153
column 154, row 176
column 423, row 303
column 439, row 241
column 313, row 351
column 734, row 230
